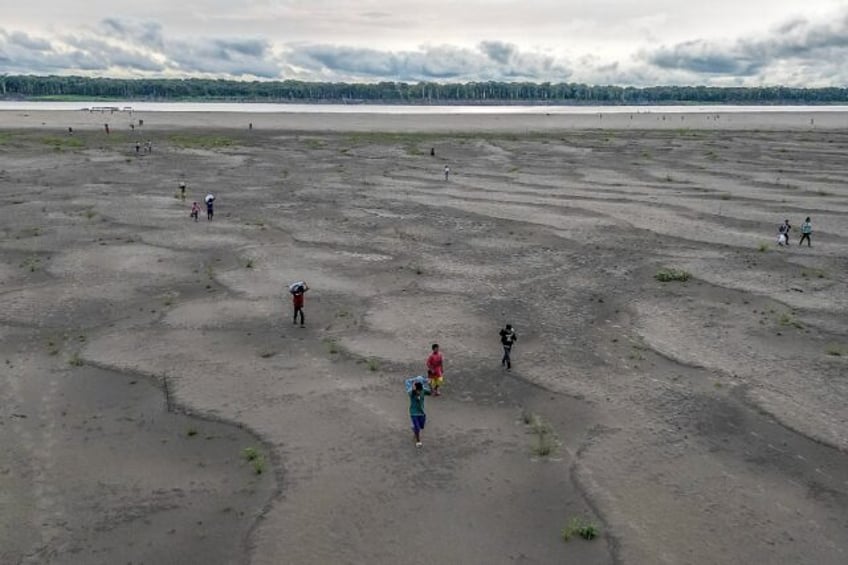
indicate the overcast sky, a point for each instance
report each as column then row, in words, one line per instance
column 628, row 42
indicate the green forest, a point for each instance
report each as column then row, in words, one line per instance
column 26, row 87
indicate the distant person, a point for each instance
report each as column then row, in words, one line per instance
column 182, row 189
column 447, row 172
column 70, row 131
column 137, row 147
column 141, row 123
column 148, row 147
column 132, row 127
column 195, row 210
column 783, row 233
column 432, row 152
column 416, row 410
column 806, row 231
column 435, row 370
column 250, row 126
column 106, row 127
column 210, row 205
column 298, row 291
column 508, row 338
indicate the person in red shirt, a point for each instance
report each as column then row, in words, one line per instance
column 435, row 370
column 297, row 302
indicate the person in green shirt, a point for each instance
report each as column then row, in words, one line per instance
column 806, row 230
column 416, row 410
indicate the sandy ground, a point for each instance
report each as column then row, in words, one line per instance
column 694, row 422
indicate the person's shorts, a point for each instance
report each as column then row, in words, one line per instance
column 418, row 422
column 436, row 381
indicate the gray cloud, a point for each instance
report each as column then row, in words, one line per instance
column 799, row 40
column 491, row 60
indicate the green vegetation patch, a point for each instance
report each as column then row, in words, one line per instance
column 59, row 143
column 670, row 274
column 580, row 527
column 198, row 141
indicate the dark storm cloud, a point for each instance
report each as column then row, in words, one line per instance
column 137, row 48
column 146, row 33
column 491, row 60
column 28, row 42
column 797, row 40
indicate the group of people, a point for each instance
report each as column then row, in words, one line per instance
column 436, row 378
column 195, row 207
column 148, row 147
column 784, row 229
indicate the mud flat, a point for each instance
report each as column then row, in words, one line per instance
column 695, row 421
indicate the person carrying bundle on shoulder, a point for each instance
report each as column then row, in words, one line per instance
column 508, row 338
column 298, row 290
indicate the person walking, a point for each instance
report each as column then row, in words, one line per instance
column 298, row 295
column 416, row 410
column 508, row 338
column 435, row 370
column 182, row 189
column 783, row 232
column 195, row 210
column 447, row 172
column 806, row 230
column 210, row 205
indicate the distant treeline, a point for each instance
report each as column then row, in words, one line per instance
column 71, row 87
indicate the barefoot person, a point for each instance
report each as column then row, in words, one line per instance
column 435, row 370
column 806, row 231
column 298, row 290
column 508, row 337
column 210, row 205
column 783, row 232
column 416, row 410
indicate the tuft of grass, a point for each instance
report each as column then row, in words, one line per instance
column 249, row 263
column 76, row 360
column 580, row 527
column 725, row 196
column 814, row 273
column 373, row 365
column 255, row 458
column 763, row 247
column 836, row 350
column 191, row 432
column 545, row 439
column 668, row 274
column 331, row 345
column 89, row 214
column 32, row 263
column 787, row 319
column 266, row 354
column 313, row 143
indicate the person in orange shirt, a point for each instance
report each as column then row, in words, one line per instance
column 435, row 370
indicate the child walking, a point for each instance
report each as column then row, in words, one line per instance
column 195, row 210
column 435, row 370
column 508, row 338
column 297, row 302
column 806, row 230
column 416, row 410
